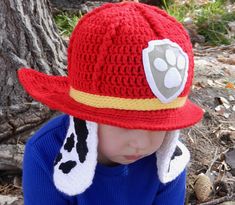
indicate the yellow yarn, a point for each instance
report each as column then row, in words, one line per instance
column 124, row 103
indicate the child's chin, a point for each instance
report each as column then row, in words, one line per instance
column 127, row 162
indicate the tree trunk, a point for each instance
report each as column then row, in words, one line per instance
column 11, row 157
column 28, row 38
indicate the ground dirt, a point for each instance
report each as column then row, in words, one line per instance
column 208, row 141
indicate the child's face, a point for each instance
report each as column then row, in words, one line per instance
column 124, row 146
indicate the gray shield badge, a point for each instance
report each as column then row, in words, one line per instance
column 166, row 69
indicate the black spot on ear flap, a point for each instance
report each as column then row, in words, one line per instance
column 82, row 133
column 69, row 145
column 176, row 153
column 67, row 166
column 58, row 158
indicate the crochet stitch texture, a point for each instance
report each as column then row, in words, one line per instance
column 106, row 80
column 106, row 46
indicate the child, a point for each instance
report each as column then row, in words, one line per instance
column 130, row 69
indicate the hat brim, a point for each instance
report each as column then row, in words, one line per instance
column 53, row 91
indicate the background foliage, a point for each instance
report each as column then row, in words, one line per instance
column 209, row 18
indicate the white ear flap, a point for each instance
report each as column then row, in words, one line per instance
column 74, row 167
column 172, row 157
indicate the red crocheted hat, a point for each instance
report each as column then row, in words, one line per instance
column 129, row 65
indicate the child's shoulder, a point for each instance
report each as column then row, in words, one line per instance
column 54, row 128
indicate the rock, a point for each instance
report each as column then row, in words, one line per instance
column 231, row 26
column 7, row 199
column 228, row 203
column 230, row 159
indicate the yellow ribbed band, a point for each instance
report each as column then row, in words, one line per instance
column 98, row 101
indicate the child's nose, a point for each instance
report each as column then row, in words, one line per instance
column 140, row 142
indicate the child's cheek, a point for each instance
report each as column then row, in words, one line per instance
column 111, row 148
column 157, row 143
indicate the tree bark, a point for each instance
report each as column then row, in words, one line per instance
column 11, row 157
column 28, row 38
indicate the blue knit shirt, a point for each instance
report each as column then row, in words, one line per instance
column 133, row 184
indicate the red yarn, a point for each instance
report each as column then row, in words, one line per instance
column 105, row 58
column 121, row 32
